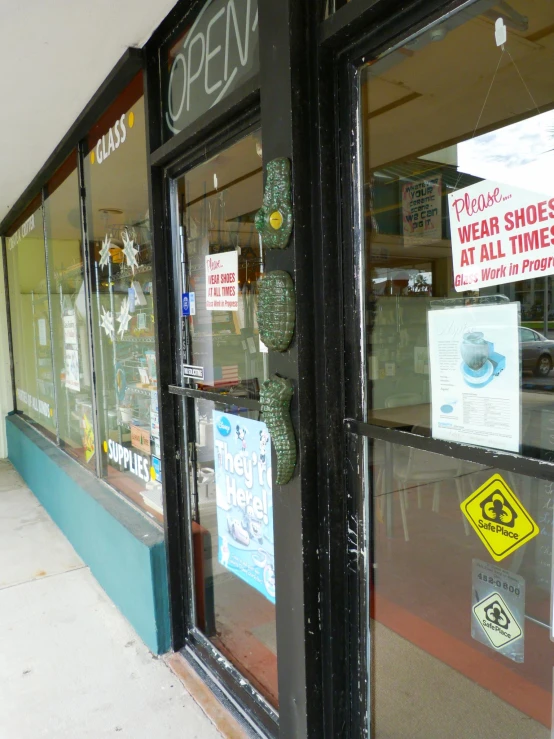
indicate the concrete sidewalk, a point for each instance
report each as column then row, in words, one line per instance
column 70, row 664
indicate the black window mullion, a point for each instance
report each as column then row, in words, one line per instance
column 8, row 318
column 50, row 328
column 496, row 459
column 231, row 400
column 87, row 279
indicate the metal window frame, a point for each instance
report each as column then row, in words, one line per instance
column 8, row 319
column 252, row 706
column 50, row 328
column 87, row 277
column 287, row 36
column 346, row 42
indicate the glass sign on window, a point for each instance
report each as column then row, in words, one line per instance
column 215, row 56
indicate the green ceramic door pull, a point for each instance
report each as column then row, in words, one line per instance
column 274, row 219
column 275, row 396
column 276, row 309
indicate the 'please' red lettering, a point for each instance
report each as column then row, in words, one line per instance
column 471, row 206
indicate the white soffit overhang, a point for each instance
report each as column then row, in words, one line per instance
column 54, row 55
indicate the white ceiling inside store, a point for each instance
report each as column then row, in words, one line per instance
column 54, row 54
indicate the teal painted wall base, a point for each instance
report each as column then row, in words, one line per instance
column 124, row 550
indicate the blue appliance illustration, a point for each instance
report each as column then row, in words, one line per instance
column 481, row 363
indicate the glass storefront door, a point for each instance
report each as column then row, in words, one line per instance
column 229, row 454
column 456, row 153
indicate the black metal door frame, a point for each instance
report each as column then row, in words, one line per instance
column 347, row 42
column 255, row 708
column 308, row 101
column 287, row 120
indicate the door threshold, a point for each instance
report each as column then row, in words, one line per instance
column 211, row 700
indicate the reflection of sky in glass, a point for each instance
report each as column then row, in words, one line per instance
column 521, row 154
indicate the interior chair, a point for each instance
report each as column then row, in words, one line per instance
column 399, row 399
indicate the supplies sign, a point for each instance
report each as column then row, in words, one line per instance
column 500, row 233
column 498, row 517
column 222, row 281
column 422, row 210
column 242, row 449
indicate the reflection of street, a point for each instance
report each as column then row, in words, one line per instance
column 540, row 384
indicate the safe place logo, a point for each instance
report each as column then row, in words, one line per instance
column 497, row 621
column 498, row 517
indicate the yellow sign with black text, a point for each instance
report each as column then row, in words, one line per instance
column 500, row 520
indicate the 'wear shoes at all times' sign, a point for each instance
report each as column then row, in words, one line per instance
column 500, row 233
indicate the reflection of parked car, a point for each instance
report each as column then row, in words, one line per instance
column 537, row 352
column 238, row 532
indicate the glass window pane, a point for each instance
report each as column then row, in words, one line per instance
column 31, row 319
column 473, row 667
column 233, row 544
column 460, row 340
column 120, row 247
column 69, row 314
column 224, row 260
column 458, row 207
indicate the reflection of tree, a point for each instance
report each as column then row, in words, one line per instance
column 420, row 284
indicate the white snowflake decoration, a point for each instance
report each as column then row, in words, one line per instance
column 124, row 317
column 129, row 250
column 105, row 251
column 107, row 323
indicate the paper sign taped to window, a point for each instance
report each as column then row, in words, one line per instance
column 500, row 233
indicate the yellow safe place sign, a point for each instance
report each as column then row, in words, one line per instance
column 501, row 522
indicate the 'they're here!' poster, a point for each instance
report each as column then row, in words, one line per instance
column 242, row 450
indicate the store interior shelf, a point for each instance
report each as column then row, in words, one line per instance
column 127, row 272
column 140, row 390
column 136, row 339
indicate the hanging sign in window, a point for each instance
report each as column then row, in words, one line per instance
column 422, row 210
column 500, row 233
column 215, row 57
column 222, row 281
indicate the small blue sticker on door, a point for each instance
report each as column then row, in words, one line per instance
column 189, row 304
